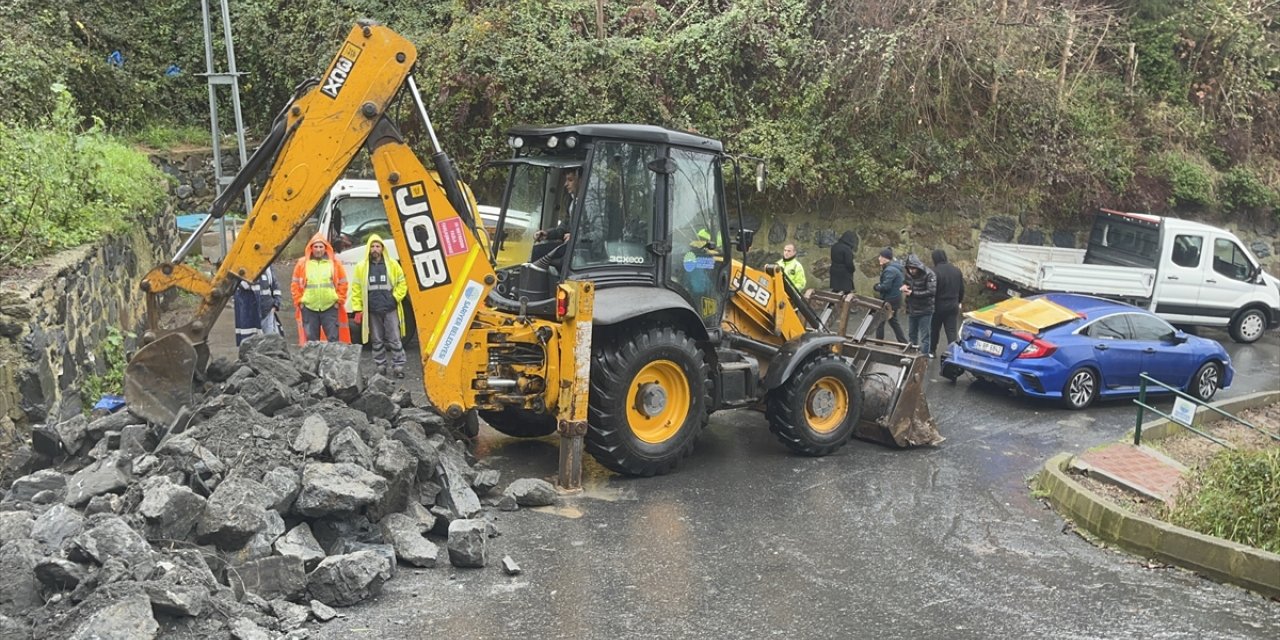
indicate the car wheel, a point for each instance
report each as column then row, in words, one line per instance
column 1207, row 381
column 1081, row 389
column 1247, row 327
column 951, row 372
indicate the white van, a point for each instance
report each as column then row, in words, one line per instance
column 1188, row 273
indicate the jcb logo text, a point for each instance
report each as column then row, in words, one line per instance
column 420, row 234
column 341, row 70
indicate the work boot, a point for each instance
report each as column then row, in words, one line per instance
column 399, row 371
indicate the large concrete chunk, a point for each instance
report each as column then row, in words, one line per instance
column 532, row 492
column 337, row 490
column 109, row 475
column 468, row 544
column 109, row 537
column 170, row 510
column 456, row 477
column 28, row 486
column 284, row 484
column 273, row 577
column 312, row 437
column 347, row 446
column 405, row 536
column 18, row 590
column 340, row 370
column 393, row 461
column 119, row 612
column 301, row 542
column 15, row 525
column 178, row 600
column 60, row 574
column 279, row 370
column 54, row 526
column 266, row 395
column 376, row 405
column 344, row 580
column 235, row 512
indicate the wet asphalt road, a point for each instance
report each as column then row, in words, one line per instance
column 745, row 540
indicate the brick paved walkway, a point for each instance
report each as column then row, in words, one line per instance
column 1137, row 468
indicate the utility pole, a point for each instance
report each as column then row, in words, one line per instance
column 229, row 78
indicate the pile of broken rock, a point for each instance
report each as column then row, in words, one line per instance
column 294, row 486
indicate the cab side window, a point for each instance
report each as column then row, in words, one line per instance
column 1230, row 261
column 1110, row 328
column 1186, row 251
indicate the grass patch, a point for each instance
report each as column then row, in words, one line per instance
column 168, row 136
column 1236, row 496
column 112, row 380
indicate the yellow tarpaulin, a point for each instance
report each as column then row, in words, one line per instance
column 1023, row 315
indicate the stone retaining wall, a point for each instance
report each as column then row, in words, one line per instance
column 55, row 315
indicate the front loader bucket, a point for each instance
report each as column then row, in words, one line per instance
column 894, row 409
column 159, row 378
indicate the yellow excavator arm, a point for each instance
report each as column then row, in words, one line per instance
column 311, row 144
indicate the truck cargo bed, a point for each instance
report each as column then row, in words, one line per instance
column 1037, row 269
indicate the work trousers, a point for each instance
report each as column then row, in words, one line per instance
column 918, row 328
column 314, row 321
column 893, row 323
column 384, row 335
column 944, row 319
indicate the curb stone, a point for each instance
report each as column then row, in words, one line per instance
column 1222, row 560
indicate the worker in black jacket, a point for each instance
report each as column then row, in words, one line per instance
column 842, row 263
column 948, row 300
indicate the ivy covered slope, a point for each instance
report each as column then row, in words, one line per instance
column 1056, row 105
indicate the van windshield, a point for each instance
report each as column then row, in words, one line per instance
column 360, row 217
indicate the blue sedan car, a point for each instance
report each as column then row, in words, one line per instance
column 1077, row 348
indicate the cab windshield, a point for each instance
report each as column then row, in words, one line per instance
column 537, row 201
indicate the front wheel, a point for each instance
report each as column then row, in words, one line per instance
column 1207, row 381
column 1081, row 389
column 814, row 413
column 649, row 401
column 1247, row 327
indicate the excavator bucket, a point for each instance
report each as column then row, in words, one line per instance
column 894, row 409
column 158, row 381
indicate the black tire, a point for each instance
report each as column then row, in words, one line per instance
column 1248, row 326
column 951, row 372
column 649, row 400
column 814, row 413
column 1081, row 389
column 1206, row 382
column 520, row 423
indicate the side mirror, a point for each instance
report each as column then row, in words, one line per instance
column 745, row 236
column 760, row 173
column 1178, row 337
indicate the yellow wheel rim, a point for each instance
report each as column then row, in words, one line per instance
column 658, row 401
column 826, row 405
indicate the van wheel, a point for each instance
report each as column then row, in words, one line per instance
column 1248, row 326
column 1080, row 390
column 649, row 401
column 1207, row 381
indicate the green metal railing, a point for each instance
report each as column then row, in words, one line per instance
column 1143, row 407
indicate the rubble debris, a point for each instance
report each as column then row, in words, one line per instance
column 290, row 486
column 510, row 567
column 532, row 492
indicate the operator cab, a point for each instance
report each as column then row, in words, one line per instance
column 620, row 205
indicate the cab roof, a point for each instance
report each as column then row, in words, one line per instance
column 638, row 132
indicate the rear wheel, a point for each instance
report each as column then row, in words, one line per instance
column 520, row 423
column 1081, row 389
column 814, row 413
column 1248, row 326
column 1207, row 381
column 648, row 401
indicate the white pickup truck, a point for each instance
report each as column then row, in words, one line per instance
column 1187, row 272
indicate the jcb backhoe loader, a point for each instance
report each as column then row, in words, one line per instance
column 623, row 333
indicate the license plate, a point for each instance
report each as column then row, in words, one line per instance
column 988, row 347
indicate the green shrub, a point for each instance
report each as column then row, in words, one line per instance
column 65, row 186
column 1242, row 190
column 1236, row 497
column 113, row 363
column 1190, row 181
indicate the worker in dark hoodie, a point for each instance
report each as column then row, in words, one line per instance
column 890, row 290
column 919, row 289
column 949, row 300
column 842, row 263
